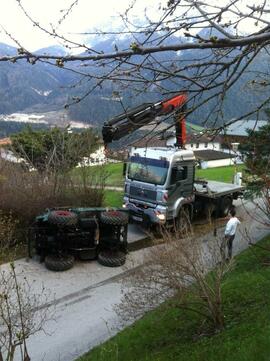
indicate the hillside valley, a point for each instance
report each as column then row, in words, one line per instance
column 45, row 88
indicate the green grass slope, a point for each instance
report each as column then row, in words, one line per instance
column 171, row 334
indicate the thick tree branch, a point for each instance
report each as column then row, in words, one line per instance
column 222, row 43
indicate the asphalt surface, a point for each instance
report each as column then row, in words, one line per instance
column 82, row 298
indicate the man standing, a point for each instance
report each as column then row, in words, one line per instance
column 230, row 231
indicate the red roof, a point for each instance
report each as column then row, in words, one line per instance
column 5, row 141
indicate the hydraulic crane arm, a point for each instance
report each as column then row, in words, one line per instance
column 135, row 118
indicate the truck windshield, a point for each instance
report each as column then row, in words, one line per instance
column 148, row 170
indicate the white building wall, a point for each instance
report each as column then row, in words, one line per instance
column 96, row 158
column 204, row 146
column 196, row 146
column 217, row 163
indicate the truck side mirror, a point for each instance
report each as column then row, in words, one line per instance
column 124, row 169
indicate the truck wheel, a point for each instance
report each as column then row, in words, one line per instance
column 116, row 218
column 225, row 206
column 59, row 263
column 111, row 259
column 63, row 218
column 182, row 223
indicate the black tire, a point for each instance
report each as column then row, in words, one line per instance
column 63, row 218
column 59, row 263
column 115, row 218
column 225, row 206
column 111, row 258
column 182, row 222
column 209, row 210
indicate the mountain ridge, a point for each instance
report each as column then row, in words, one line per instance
column 44, row 86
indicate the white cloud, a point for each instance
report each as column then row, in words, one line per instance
column 85, row 15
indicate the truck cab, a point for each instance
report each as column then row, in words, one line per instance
column 158, row 182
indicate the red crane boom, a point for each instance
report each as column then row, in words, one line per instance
column 135, row 118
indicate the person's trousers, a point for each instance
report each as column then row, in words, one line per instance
column 227, row 245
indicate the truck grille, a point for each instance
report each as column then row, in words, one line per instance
column 142, row 193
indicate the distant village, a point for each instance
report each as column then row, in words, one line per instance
column 210, row 151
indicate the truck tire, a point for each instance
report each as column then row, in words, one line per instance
column 111, row 258
column 182, row 222
column 209, row 210
column 63, row 218
column 59, row 263
column 225, row 206
column 115, row 218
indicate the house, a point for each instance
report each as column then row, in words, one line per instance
column 7, row 154
column 239, row 127
column 5, row 142
column 198, row 141
column 208, row 158
column 237, row 132
column 99, row 157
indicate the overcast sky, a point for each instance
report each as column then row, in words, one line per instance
column 86, row 15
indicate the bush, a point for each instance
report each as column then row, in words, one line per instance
column 8, row 231
column 26, row 194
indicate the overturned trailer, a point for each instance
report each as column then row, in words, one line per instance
column 60, row 235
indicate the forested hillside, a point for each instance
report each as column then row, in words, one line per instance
column 44, row 87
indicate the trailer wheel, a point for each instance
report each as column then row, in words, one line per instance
column 111, row 258
column 225, row 206
column 59, row 263
column 116, row 218
column 63, row 218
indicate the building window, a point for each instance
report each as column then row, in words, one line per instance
column 197, row 145
column 205, row 145
column 191, row 145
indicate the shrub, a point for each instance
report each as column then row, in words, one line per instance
column 26, row 193
column 8, row 231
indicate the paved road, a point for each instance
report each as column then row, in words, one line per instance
column 83, row 298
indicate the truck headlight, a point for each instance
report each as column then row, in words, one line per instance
column 161, row 216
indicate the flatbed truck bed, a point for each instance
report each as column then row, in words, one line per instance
column 214, row 189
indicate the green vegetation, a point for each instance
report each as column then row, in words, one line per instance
column 53, row 149
column 221, row 174
column 115, row 174
column 113, row 198
column 256, row 150
column 112, row 173
column 115, row 178
column 168, row 333
column 8, row 128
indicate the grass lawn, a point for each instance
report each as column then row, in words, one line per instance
column 112, row 173
column 115, row 174
column 222, row 174
column 113, row 198
column 115, row 178
column 169, row 334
